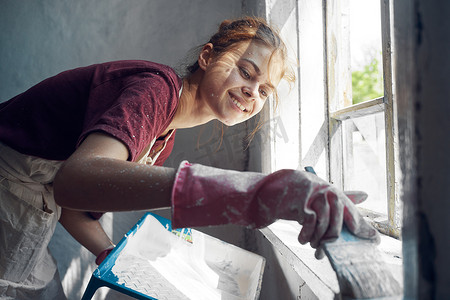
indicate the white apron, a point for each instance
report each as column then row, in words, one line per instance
column 28, row 216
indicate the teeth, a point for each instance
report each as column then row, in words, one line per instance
column 238, row 104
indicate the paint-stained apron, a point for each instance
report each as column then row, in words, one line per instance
column 28, row 217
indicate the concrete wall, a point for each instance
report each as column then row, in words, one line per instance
column 423, row 44
column 41, row 38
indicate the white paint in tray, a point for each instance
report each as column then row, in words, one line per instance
column 160, row 264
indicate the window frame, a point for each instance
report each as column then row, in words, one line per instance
column 303, row 112
column 338, row 82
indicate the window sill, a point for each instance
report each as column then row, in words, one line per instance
column 318, row 274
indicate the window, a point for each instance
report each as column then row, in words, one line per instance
column 339, row 118
column 362, row 148
column 318, row 124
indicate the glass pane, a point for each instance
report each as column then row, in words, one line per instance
column 366, row 50
column 365, row 159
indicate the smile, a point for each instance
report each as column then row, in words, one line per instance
column 238, row 104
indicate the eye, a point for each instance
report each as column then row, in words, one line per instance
column 245, row 73
column 264, row 93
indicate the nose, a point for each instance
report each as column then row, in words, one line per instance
column 251, row 91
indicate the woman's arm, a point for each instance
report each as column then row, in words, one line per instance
column 97, row 177
column 85, row 230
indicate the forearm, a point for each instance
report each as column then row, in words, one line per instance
column 107, row 184
column 87, row 231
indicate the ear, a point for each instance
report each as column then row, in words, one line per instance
column 205, row 56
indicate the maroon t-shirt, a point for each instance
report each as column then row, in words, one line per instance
column 134, row 101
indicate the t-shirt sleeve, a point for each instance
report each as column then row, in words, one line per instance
column 134, row 109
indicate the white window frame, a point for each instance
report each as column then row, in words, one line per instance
column 338, row 83
column 318, row 141
column 297, row 133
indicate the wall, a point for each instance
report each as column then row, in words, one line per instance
column 422, row 42
column 42, row 38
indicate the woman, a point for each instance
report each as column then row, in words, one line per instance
column 97, row 136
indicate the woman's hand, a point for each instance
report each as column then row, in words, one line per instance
column 87, row 231
column 356, row 197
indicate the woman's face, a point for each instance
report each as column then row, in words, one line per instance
column 237, row 83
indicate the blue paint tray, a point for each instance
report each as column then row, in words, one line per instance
column 153, row 261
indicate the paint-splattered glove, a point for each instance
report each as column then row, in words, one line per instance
column 204, row 196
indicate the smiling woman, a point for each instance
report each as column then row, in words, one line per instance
column 100, row 134
column 255, row 50
column 236, row 84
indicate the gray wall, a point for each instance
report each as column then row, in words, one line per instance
column 42, row 38
column 423, row 65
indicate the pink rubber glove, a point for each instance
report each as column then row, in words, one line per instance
column 204, row 196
